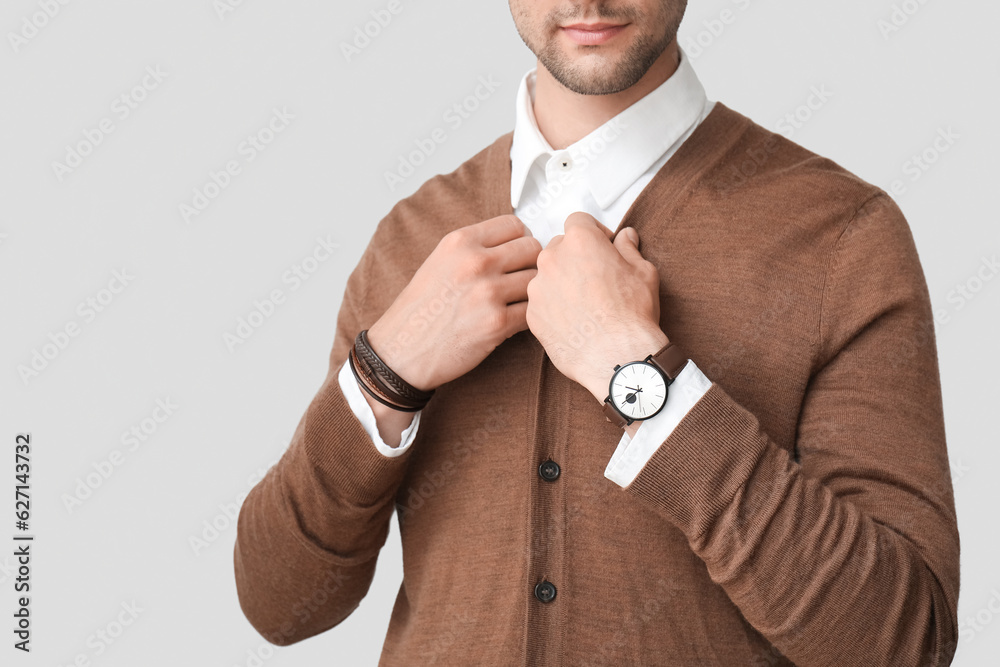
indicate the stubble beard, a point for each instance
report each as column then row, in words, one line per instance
column 603, row 75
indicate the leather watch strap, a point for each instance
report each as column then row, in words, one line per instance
column 614, row 416
column 670, row 359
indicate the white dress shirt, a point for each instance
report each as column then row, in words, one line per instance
column 601, row 174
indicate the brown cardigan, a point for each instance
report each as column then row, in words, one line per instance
column 801, row 513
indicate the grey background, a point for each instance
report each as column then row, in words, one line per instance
column 323, row 176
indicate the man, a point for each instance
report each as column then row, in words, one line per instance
column 686, row 407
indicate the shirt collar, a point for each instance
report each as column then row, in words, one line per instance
column 627, row 145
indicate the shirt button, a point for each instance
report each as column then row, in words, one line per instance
column 545, row 591
column 565, row 162
column 549, row 470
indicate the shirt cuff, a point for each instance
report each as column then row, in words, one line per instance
column 363, row 411
column 633, row 453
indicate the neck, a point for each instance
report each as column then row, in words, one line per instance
column 565, row 117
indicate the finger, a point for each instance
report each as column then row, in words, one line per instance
column 583, row 219
column 627, row 244
column 493, row 232
column 518, row 254
column 517, row 318
column 514, row 286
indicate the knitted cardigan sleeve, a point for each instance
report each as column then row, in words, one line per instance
column 845, row 552
column 309, row 533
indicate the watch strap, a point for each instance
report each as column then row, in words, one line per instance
column 613, row 415
column 670, row 360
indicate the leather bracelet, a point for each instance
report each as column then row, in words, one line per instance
column 381, row 381
column 401, row 387
column 366, row 384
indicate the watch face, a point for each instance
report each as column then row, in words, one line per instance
column 638, row 390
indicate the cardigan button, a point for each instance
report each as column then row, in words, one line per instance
column 545, row 591
column 549, row 470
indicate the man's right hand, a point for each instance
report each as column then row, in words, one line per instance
column 467, row 297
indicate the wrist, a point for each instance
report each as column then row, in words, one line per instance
column 642, row 343
column 392, row 353
column 389, row 422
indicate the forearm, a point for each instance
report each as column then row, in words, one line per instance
column 289, row 588
column 824, row 580
column 316, row 522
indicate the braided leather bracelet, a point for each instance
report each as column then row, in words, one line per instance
column 372, row 385
column 384, row 385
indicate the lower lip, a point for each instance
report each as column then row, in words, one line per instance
column 592, row 37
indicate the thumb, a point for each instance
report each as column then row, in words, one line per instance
column 627, row 243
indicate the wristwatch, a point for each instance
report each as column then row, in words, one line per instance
column 638, row 389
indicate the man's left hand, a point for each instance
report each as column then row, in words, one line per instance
column 594, row 302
